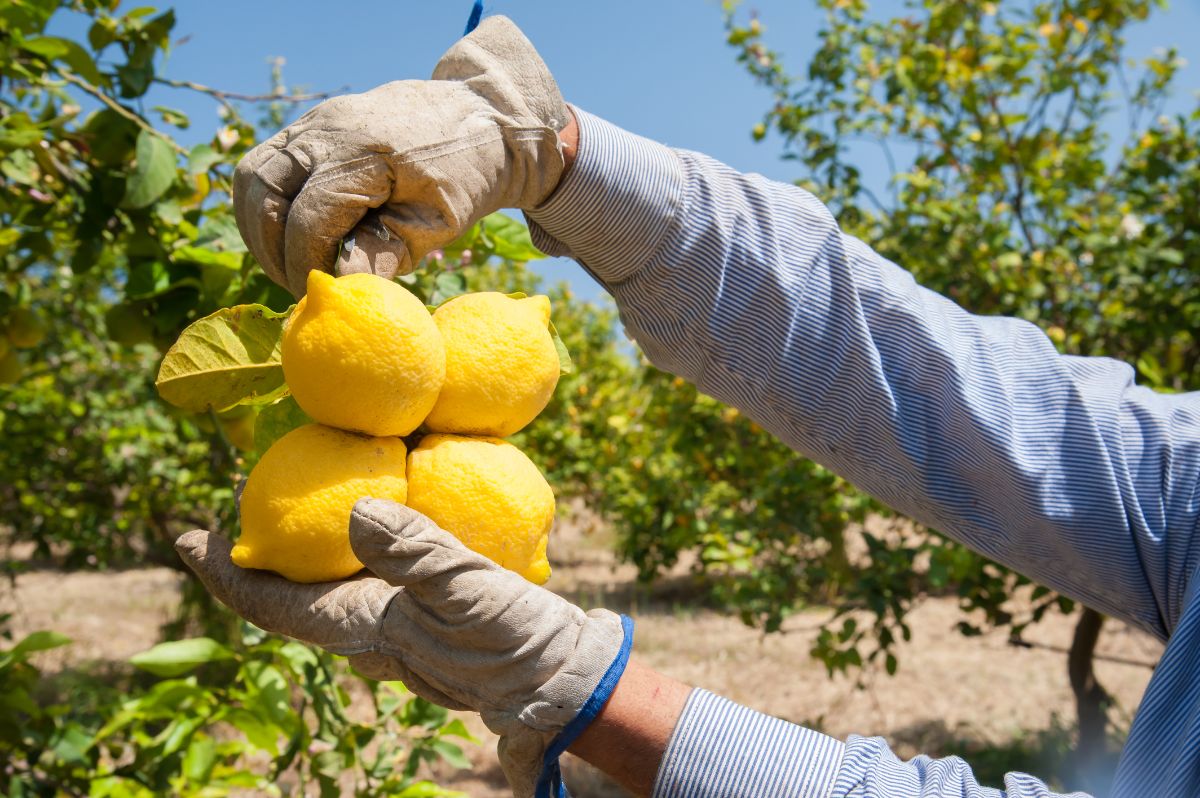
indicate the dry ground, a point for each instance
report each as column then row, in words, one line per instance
column 981, row 691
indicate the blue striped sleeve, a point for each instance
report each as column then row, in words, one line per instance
column 1060, row 467
column 720, row 749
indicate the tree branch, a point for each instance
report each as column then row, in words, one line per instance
column 75, row 80
column 224, row 97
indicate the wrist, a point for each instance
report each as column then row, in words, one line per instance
column 568, row 143
column 628, row 738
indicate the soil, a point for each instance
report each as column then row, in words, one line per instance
column 949, row 690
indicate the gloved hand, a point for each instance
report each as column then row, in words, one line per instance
column 452, row 625
column 430, row 157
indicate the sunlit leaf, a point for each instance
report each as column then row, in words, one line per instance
column 226, row 358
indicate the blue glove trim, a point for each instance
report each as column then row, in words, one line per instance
column 550, row 783
column 473, row 20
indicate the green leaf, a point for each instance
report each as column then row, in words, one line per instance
column 174, row 117
column 451, row 754
column 38, row 641
column 220, row 233
column 201, row 159
column 20, row 167
column 509, row 239
column 565, row 366
column 230, row 357
column 153, row 278
column 200, row 757
column 70, row 53
column 446, row 286
column 154, row 172
column 456, row 728
column 180, row 656
column 262, row 735
column 72, row 746
column 275, row 421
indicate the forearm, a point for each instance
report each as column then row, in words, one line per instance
column 629, row 736
column 658, row 737
column 975, row 426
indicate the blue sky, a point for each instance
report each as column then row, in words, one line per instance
column 657, row 67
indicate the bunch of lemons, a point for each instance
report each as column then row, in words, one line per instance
column 370, row 364
column 21, row 328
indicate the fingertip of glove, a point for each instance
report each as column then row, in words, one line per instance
column 379, row 511
column 192, row 545
column 199, row 546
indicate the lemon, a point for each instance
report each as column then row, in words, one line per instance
column 295, row 510
column 489, row 495
column 361, row 353
column 501, row 364
column 10, row 368
column 238, row 426
column 25, row 328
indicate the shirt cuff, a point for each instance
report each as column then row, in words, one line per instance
column 614, row 206
column 720, row 749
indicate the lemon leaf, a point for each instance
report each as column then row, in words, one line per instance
column 508, row 239
column 180, row 656
column 447, row 286
column 230, row 357
column 275, row 421
column 153, row 174
column 565, row 366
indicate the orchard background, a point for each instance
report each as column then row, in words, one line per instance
column 1037, row 171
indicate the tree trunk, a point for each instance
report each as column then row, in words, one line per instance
column 1091, row 703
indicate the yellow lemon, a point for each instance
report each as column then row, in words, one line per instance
column 489, row 495
column 501, row 365
column 238, row 425
column 295, row 510
column 361, row 353
column 25, row 328
column 10, row 368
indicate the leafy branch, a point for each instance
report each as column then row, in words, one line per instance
column 116, row 107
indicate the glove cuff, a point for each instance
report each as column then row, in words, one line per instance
column 550, row 783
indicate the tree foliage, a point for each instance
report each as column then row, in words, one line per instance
column 1031, row 172
column 113, row 239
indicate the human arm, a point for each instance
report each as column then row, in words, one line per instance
column 629, row 737
column 1059, row 467
column 659, row 737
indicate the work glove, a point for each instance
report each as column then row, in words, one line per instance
column 406, row 167
column 452, row 625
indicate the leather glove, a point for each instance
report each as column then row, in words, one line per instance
column 426, row 158
column 456, row 628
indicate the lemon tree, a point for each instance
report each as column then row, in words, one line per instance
column 113, row 240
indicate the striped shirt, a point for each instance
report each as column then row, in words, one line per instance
column 1059, row 467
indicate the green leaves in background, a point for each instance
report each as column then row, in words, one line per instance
column 34, row 642
column 153, row 173
column 230, row 357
